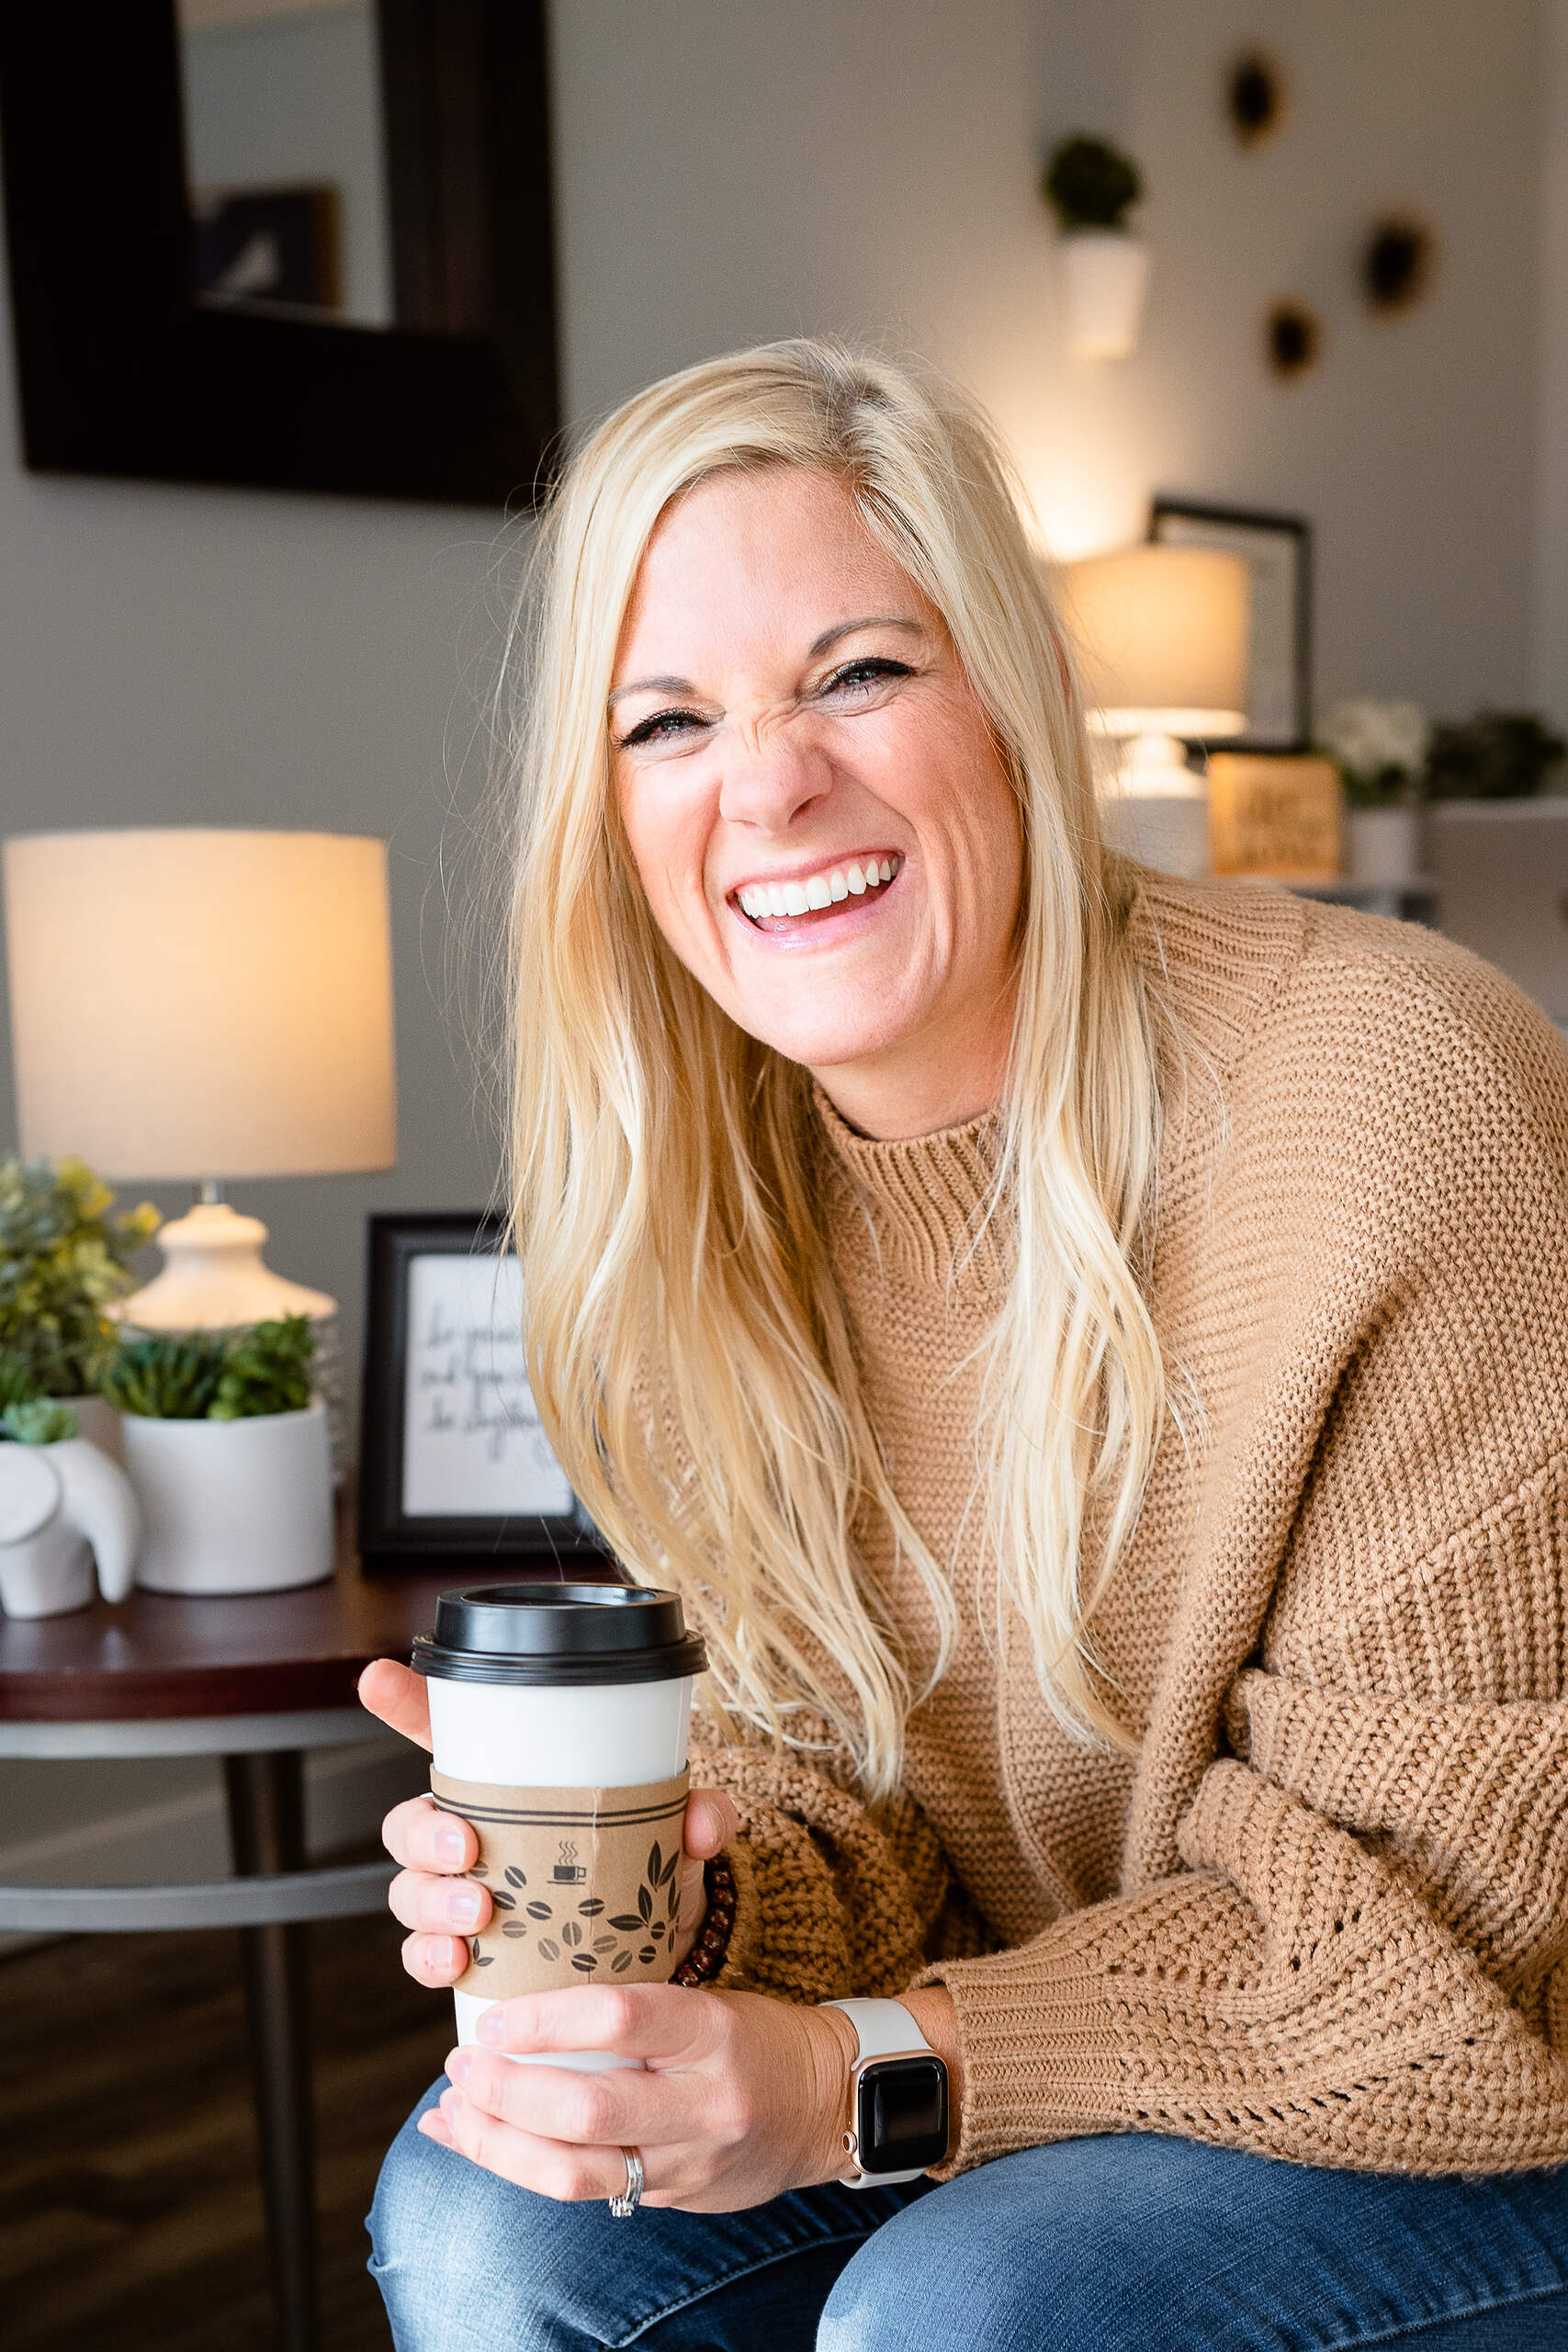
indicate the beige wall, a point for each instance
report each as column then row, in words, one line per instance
column 730, row 169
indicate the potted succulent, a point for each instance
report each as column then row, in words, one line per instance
column 64, row 1258
column 227, row 1448
column 1091, row 187
column 1381, row 750
column 68, row 1517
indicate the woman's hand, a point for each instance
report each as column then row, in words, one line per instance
column 739, row 2097
column 430, row 1894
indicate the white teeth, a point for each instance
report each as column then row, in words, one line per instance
column 760, row 898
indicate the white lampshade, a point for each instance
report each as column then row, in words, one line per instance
column 1161, row 633
column 192, row 1004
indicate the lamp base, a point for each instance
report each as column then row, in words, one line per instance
column 214, row 1279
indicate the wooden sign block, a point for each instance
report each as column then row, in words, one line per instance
column 1274, row 815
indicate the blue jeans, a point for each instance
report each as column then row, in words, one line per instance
column 1107, row 2245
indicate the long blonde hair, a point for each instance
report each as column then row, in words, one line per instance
column 689, row 1349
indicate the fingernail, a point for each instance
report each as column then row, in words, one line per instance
column 433, row 2126
column 491, row 2027
column 462, row 1907
column 459, row 2066
column 450, row 1844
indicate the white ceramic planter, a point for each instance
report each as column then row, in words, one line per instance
column 1169, row 832
column 1383, row 847
column 1105, row 283
column 62, row 1508
column 232, row 1506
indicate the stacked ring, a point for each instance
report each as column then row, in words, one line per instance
column 625, row 2204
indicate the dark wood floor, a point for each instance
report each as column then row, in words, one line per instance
column 130, row 2212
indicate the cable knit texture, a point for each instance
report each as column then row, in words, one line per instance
column 1325, row 1914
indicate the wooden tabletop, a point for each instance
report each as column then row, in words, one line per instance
column 162, row 1654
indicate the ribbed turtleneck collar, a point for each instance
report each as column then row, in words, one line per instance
column 924, row 1198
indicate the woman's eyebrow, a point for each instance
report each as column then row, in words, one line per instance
column 871, row 620
column 653, row 686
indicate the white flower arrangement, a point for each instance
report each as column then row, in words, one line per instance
column 1381, row 747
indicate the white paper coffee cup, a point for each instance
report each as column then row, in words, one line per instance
column 580, row 1690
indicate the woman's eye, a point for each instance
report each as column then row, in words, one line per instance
column 661, row 727
column 858, row 677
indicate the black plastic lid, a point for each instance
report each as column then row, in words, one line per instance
column 575, row 1635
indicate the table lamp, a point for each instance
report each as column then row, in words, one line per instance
column 204, row 1005
column 1161, row 633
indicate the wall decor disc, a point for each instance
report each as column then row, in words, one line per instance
column 1256, row 97
column 1292, row 339
column 1396, row 262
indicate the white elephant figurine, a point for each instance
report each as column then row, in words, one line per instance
column 63, row 1506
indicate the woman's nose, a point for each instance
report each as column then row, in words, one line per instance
column 770, row 778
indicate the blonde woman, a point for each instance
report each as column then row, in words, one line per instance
column 1092, row 1354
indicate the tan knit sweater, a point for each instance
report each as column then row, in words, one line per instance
column 1325, row 1914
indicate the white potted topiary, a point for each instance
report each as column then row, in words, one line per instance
column 1091, row 187
column 69, row 1524
column 228, row 1450
column 1381, row 750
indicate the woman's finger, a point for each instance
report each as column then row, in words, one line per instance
column 421, row 1838
column 711, row 1822
column 435, row 1961
column 623, row 2106
column 398, row 1697
column 549, row 2167
column 660, row 2021
column 440, row 1906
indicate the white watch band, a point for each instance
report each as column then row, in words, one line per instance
column 882, row 2027
column 883, row 2030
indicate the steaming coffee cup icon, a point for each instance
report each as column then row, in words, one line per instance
column 568, row 1870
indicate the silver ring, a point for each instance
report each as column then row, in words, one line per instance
column 625, row 2204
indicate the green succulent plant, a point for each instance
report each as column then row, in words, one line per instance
column 1496, row 756
column 62, row 1260
column 38, row 1422
column 268, row 1371
column 18, row 1385
column 1090, row 185
column 165, row 1380
column 213, row 1376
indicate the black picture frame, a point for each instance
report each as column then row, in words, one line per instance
column 123, row 372
column 1280, row 683
column 390, row 1536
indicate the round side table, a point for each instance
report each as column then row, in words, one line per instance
column 255, row 1679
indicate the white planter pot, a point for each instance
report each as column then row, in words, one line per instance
column 1105, row 283
column 1167, row 830
column 232, row 1506
column 1383, row 847
column 63, row 1508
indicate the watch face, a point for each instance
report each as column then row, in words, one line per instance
column 901, row 2119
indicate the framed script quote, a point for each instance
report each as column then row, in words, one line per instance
column 454, row 1463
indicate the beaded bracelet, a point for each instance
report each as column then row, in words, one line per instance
column 706, row 1956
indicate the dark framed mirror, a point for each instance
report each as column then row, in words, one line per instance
column 284, row 244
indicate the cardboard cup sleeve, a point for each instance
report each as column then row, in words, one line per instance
column 586, row 1884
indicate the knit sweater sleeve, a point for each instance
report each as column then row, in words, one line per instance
column 834, row 1897
column 1362, row 1963
column 1362, row 1958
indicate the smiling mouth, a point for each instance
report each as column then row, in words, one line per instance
column 805, row 903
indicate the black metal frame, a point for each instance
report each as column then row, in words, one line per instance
column 1299, row 530
column 387, row 1537
column 121, row 371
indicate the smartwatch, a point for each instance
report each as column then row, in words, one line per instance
column 897, row 2127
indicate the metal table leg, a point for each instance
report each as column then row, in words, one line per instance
column 265, row 1795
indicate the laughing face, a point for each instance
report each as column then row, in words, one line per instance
column 814, row 801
